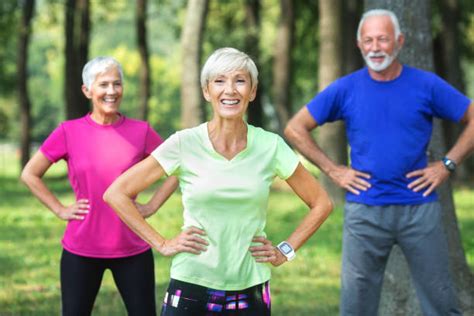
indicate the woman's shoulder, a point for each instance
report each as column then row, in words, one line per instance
column 192, row 132
column 263, row 136
column 135, row 122
column 73, row 122
column 190, row 135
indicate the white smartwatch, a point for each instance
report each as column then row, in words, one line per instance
column 287, row 250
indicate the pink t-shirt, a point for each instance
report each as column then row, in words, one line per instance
column 96, row 155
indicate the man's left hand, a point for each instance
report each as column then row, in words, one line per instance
column 430, row 177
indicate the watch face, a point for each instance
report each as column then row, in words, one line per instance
column 449, row 164
column 286, row 248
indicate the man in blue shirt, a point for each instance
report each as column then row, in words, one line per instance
column 388, row 109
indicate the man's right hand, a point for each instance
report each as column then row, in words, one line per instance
column 350, row 179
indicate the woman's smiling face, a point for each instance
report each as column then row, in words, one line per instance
column 230, row 93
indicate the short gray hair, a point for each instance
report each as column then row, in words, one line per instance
column 97, row 66
column 225, row 60
column 380, row 12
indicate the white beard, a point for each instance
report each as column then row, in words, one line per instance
column 378, row 67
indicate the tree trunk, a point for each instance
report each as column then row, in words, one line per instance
column 282, row 62
column 447, row 60
column 77, row 30
column 352, row 11
column 22, row 67
column 192, row 113
column 398, row 295
column 252, row 23
column 145, row 81
column 331, row 137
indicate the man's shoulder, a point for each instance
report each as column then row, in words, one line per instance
column 355, row 75
column 418, row 72
column 349, row 81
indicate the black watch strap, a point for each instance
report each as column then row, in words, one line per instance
column 449, row 164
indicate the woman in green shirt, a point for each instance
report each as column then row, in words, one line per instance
column 225, row 169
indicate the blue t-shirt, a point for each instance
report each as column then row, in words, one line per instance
column 389, row 125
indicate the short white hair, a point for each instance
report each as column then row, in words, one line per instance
column 98, row 66
column 225, row 60
column 380, row 12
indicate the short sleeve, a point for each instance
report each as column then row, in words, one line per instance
column 55, row 146
column 447, row 102
column 326, row 106
column 286, row 160
column 152, row 141
column 168, row 154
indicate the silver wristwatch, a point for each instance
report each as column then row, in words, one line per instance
column 287, row 250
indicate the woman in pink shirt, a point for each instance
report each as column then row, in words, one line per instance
column 98, row 148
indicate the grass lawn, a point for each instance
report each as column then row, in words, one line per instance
column 30, row 251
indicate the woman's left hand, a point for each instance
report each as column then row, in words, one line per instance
column 266, row 252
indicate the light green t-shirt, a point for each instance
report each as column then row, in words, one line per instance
column 227, row 199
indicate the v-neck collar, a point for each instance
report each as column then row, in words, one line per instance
column 217, row 155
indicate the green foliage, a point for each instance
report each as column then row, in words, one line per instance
column 112, row 33
column 4, row 124
column 9, row 19
column 305, row 57
column 226, row 27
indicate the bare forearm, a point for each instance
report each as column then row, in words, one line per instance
column 301, row 138
column 464, row 145
column 310, row 224
column 42, row 193
column 317, row 199
column 162, row 194
column 128, row 212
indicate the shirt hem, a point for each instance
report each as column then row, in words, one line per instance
column 204, row 283
column 47, row 155
column 106, row 256
column 401, row 201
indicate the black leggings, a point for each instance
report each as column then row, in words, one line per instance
column 81, row 278
column 187, row 299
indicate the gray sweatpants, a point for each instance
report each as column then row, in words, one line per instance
column 369, row 235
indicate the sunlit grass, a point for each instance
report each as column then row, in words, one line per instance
column 464, row 199
column 30, row 251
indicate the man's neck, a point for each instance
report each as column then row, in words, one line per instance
column 390, row 73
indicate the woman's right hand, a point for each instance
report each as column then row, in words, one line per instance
column 186, row 241
column 76, row 211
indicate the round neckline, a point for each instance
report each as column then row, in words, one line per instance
column 216, row 154
column 113, row 125
column 402, row 72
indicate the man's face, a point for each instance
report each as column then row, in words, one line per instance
column 378, row 44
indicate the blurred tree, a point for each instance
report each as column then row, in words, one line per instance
column 282, row 70
column 77, row 30
column 352, row 11
column 144, row 84
column 305, row 52
column 9, row 19
column 252, row 47
column 331, row 137
column 24, row 33
column 447, row 61
column 398, row 295
column 8, row 28
column 191, row 46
